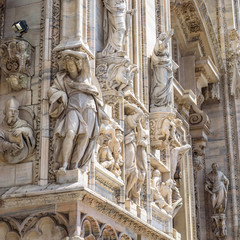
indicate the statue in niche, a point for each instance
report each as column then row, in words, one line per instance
column 17, row 140
column 157, row 188
column 142, row 136
column 121, row 76
column 162, row 80
column 15, row 63
column 133, row 114
column 217, row 185
column 176, row 156
column 74, row 103
column 116, row 23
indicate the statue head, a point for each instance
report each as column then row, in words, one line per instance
column 214, row 167
column 11, row 111
column 76, row 63
column 156, row 173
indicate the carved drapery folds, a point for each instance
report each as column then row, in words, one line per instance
column 217, row 186
column 17, row 62
column 74, row 103
column 162, row 79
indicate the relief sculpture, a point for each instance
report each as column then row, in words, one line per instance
column 16, row 62
column 17, row 140
column 74, row 104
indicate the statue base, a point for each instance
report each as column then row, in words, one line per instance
column 131, row 207
column 72, row 176
column 219, row 227
column 142, row 213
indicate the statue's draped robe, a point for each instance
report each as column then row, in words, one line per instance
column 81, row 113
column 162, row 76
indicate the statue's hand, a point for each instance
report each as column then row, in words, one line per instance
column 17, row 132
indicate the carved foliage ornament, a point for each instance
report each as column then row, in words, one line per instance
column 16, row 62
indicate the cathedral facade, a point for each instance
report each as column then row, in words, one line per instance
column 119, row 119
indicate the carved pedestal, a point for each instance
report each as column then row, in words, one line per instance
column 219, row 225
column 72, row 176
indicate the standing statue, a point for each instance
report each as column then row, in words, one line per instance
column 133, row 115
column 17, row 140
column 217, row 185
column 142, row 136
column 161, row 87
column 74, row 103
column 115, row 25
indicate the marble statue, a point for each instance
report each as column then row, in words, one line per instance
column 74, row 104
column 142, row 136
column 217, row 185
column 17, row 140
column 176, row 155
column 133, row 115
column 157, row 189
column 115, row 24
column 162, row 80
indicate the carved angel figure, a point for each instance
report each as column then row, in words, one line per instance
column 74, row 103
column 17, row 140
column 116, row 22
column 161, row 86
column 217, row 185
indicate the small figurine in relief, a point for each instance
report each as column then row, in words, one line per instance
column 217, row 185
column 74, row 103
column 162, row 80
column 133, row 115
column 158, row 198
column 115, row 25
column 17, row 140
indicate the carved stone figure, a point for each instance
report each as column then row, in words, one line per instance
column 161, row 86
column 15, row 62
column 120, row 76
column 219, row 227
column 133, row 115
column 142, row 136
column 74, row 104
column 176, row 156
column 158, row 189
column 217, row 185
column 116, row 148
column 177, row 201
column 116, row 23
column 16, row 135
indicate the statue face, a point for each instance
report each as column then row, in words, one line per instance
column 11, row 115
column 72, row 68
column 214, row 166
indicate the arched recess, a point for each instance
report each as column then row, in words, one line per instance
column 46, row 228
column 108, row 233
column 6, row 232
column 124, row 236
column 90, row 228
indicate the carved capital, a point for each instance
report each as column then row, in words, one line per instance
column 16, row 62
